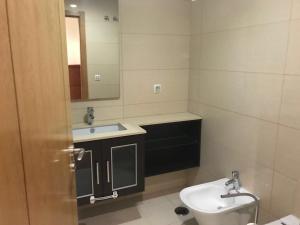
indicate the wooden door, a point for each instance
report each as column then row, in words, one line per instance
column 39, row 61
column 13, row 208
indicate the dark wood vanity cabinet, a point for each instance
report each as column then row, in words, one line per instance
column 110, row 165
column 172, row 147
column 121, row 164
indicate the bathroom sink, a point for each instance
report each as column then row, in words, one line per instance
column 98, row 129
column 209, row 208
column 206, row 197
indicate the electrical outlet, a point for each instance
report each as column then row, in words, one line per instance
column 156, row 88
column 97, row 77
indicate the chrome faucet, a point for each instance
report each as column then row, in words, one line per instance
column 249, row 195
column 234, row 182
column 89, row 116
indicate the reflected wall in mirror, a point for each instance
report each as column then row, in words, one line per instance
column 92, row 30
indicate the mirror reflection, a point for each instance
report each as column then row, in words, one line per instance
column 92, row 30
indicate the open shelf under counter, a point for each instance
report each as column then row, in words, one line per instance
column 172, row 146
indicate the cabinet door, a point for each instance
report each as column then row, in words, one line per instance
column 89, row 172
column 84, row 176
column 124, row 160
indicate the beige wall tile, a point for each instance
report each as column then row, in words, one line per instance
column 109, row 32
column 293, row 65
column 196, row 16
column 154, row 108
column 260, row 182
column 290, row 109
column 288, row 153
column 104, row 90
column 138, row 86
column 297, row 201
column 255, row 49
column 166, row 181
column 101, row 113
column 196, row 176
column 266, row 217
column 155, row 16
column 155, row 52
column 296, row 9
column 103, row 53
column 249, row 139
column 196, row 51
column 228, row 14
column 283, row 195
column 84, row 105
column 252, row 94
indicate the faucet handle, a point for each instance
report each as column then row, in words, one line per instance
column 235, row 174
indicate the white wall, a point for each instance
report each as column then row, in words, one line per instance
column 245, row 82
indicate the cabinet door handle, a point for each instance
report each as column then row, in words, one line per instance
column 76, row 151
column 97, row 171
column 113, row 196
column 108, row 171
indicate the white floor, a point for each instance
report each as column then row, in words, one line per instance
column 155, row 211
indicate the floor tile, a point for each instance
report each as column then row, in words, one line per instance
column 154, row 211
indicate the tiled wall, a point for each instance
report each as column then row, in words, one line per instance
column 245, row 82
column 155, row 38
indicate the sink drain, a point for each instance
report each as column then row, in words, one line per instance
column 182, row 211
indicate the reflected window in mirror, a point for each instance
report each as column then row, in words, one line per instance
column 92, row 30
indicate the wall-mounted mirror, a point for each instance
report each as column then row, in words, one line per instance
column 92, row 30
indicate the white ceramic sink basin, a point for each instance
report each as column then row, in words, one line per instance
column 98, row 129
column 206, row 197
column 209, row 208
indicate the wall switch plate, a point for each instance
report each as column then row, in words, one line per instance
column 156, row 88
column 97, row 77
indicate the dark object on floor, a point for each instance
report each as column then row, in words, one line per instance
column 182, row 211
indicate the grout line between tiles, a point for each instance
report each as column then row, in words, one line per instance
column 155, row 34
column 240, row 28
column 237, row 71
column 155, row 69
column 242, row 114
